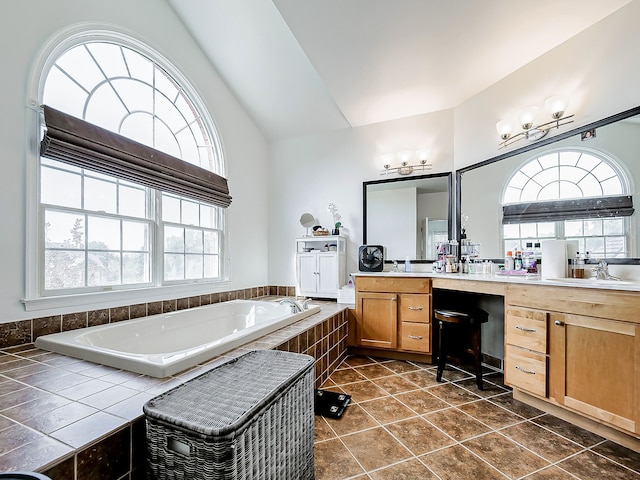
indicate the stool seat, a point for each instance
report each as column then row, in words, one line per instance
column 453, row 319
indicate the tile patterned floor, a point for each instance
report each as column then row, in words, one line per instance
column 404, row 425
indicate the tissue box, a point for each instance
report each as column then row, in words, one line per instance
column 347, row 295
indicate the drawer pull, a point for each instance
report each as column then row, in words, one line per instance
column 559, row 323
column 525, row 329
column 415, row 337
column 530, row 372
column 415, row 308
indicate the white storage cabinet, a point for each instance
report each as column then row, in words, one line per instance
column 320, row 273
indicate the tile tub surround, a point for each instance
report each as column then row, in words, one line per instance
column 26, row 331
column 74, row 420
column 403, row 424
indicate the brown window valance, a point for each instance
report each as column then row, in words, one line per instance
column 77, row 142
column 581, row 208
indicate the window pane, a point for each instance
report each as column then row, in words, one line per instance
column 60, row 188
column 511, row 230
column 105, row 109
column 573, row 228
column 135, row 236
column 593, row 227
column 594, row 245
column 170, row 209
column 136, row 268
column 193, row 240
column 547, row 230
column 103, row 268
column 211, row 242
column 208, row 216
column 190, row 213
column 173, row 267
column 64, row 230
column 528, row 230
column 63, row 269
column 613, row 226
column 616, row 247
column 211, row 266
column 132, row 201
column 580, row 243
column 193, row 266
column 100, row 196
column 103, row 233
column 174, row 239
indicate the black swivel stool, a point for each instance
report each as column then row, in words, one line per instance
column 451, row 322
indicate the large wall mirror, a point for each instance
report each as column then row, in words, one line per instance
column 581, row 166
column 408, row 215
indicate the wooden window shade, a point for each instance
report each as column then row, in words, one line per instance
column 82, row 144
column 581, row 208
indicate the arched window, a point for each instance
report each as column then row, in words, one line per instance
column 99, row 232
column 581, row 184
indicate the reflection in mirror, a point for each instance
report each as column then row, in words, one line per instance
column 602, row 164
column 408, row 216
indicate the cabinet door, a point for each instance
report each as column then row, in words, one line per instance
column 327, row 273
column 307, row 273
column 594, row 368
column 377, row 319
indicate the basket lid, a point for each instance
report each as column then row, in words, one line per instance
column 223, row 399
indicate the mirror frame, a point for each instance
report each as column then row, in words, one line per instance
column 450, row 220
column 547, row 141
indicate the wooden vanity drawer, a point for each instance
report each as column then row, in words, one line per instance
column 393, row 284
column 526, row 328
column 415, row 337
column 415, row 308
column 526, row 370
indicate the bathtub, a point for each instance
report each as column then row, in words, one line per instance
column 165, row 344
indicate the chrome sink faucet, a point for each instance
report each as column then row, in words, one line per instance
column 602, row 271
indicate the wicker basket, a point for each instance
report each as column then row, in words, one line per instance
column 250, row 418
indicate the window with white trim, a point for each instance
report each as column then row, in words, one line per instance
column 565, row 175
column 98, row 232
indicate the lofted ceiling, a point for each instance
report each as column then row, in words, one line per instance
column 300, row 67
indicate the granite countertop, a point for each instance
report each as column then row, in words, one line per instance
column 529, row 279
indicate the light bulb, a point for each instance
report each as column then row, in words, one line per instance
column 404, row 156
column 387, row 159
column 557, row 105
column 423, row 154
column 504, row 128
column 527, row 116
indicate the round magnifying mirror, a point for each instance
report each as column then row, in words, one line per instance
column 307, row 221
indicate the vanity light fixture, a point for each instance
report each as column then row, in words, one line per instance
column 405, row 167
column 555, row 105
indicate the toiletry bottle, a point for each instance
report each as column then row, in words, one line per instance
column 518, row 261
column 407, row 265
column 578, row 266
column 508, row 261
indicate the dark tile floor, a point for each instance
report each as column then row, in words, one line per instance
column 402, row 424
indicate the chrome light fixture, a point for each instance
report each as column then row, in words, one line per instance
column 555, row 105
column 405, row 167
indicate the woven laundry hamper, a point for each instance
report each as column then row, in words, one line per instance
column 250, row 418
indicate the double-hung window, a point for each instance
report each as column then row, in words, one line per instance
column 102, row 231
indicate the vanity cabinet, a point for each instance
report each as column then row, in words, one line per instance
column 393, row 313
column 576, row 348
column 320, row 266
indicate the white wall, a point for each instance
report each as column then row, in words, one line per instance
column 598, row 69
column 26, row 26
column 308, row 173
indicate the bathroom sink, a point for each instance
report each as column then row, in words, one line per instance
column 592, row 281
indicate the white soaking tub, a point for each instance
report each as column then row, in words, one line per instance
column 165, row 344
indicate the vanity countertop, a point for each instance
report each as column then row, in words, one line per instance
column 444, row 279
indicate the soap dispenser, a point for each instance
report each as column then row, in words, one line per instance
column 407, row 265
